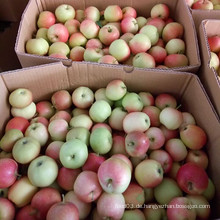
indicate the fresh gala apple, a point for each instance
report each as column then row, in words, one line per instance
column 64, row 12
column 152, row 33
column 164, row 100
column 160, row 10
column 113, row 13
column 203, row 5
column 77, row 53
column 72, row 26
column 7, row 209
column 129, row 25
column 89, row 28
column 176, row 60
column 19, row 123
column 45, row 109
column 143, row 60
column 93, row 13
column 77, row 39
column 58, row 32
column 59, row 48
column 46, row 19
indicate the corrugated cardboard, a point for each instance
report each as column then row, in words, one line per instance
column 208, row 76
column 179, row 11
column 12, row 10
column 186, row 87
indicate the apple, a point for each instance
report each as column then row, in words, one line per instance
column 176, row 148
column 8, row 172
column 58, row 128
column 146, row 168
column 167, row 190
column 214, row 61
column 193, row 136
column 172, row 30
column 192, row 178
column 79, row 16
column 19, row 123
column 59, row 48
column 4, row 154
column 101, row 140
column 42, row 171
column 209, row 193
column 136, row 143
column 171, row 118
column 46, row 19
column 100, row 110
column 87, row 187
column 93, row 162
column 40, row 119
column 133, row 214
column 152, row 33
column 61, row 114
column 176, row 60
column 134, row 196
column 53, row 150
column 79, row 111
column 108, row 33
column 107, row 59
column 83, row 207
column 158, row 53
column 129, row 25
column 7, row 209
column 93, row 13
column 101, row 125
column 89, row 28
column 63, row 210
column 139, row 43
column 127, row 37
column 66, row 177
column 77, row 39
column 26, row 149
column 20, row 98
column 114, row 175
column 160, row 10
column 77, row 53
column 124, row 158
column 153, row 113
column 82, row 120
column 174, row 170
column 164, row 100
column 129, row 11
column 132, row 102
column 214, row 43
column 188, row 118
column 136, row 121
column 118, row 145
column 151, row 211
column 143, row 60
column 64, row 12
column 158, row 22
column 73, row 154
column 189, row 2
column 46, row 196
column 169, row 133
column 9, row 139
column 92, row 54
column 27, row 112
column 120, row 50
column 175, row 45
column 37, row 46
column 175, row 212
column 80, row 133
column 72, row 26
column 113, row 13
column 94, row 43
column 141, row 20
column 147, row 98
column 21, row 192
column 45, row 109
column 163, row 158
column 203, row 4
column 198, row 157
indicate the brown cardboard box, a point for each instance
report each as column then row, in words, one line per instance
column 208, row 76
column 11, row 10
column 179, row 11
column 186, row 87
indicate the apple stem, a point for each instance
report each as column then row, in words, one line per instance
column 63, row 198
column 109, row 184
column 92, row 195
column 178, row 106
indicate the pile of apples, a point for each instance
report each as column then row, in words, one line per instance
column 214, row 46
column 114, row 35
column 204, row 4
column 104, row 154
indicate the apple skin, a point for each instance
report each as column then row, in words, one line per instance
column 174, row 212
column 158, row 22
column 58, row 32
column 143, row 60
column 19, row 123
column 204, row 5
column 7, row 209
column 80, row 133
column 64, row 12
column 83, row 207
column 72, row 26
column 124, row 158
column 83, row 121
column 46, row 19
column 77, row 39
column 62, row 114
column 45, row 109
column 192, row 179
column 113, row 13
column 153, row 112
column 80, row 16
column 87, row 186
column 167, row 190
column 164, row 100
column 59, row 48
column 27, row 212
column 141, row 20
column 20, row 98
column 152, row 212
column 209, row 193
column 111, row 205
column 94, row 43
column 176, row 60
column 89, row 28
column 8, row 172
column 132, row 102
column 158, row 53
column 214, row 61
column 37, row 46
column 107, row 59
column 21, row 192
column 174, row 170
column 146, row 168
column 160, row 10
column 63, row 210
column 169, row 133
column 136, row 143
column 93, row 13
column 77, row 53
column 9, row 139
column 214, row 43
column 61, row 100
column 193, row 136
column 175, row 45
column 53, row 149
column 73, row 154
column 92, row 54
column 118, row 145
column 42, row 171
column 129, row 25
column 111, row 180
column 136, row 121
column 46, row 196
column 66, row 177
column 101, row 140
column 152, row 33
column 129, row 11
column 133, row 214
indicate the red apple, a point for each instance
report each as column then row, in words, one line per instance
column 19, row 123
column 61, row 99
column 58, row 32
column 7, row 209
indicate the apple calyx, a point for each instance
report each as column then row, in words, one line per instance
column 190, row 186
column 109, row 183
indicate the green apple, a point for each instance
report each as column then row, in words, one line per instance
column 132, row 102
column 73, row 153
column 80, row 133
column 65, row 12
column 152, row 33
column 37, row 46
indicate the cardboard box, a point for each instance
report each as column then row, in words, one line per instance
column 12, row 10
column 209, row 76
column 186, row 87
column 179, row 11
